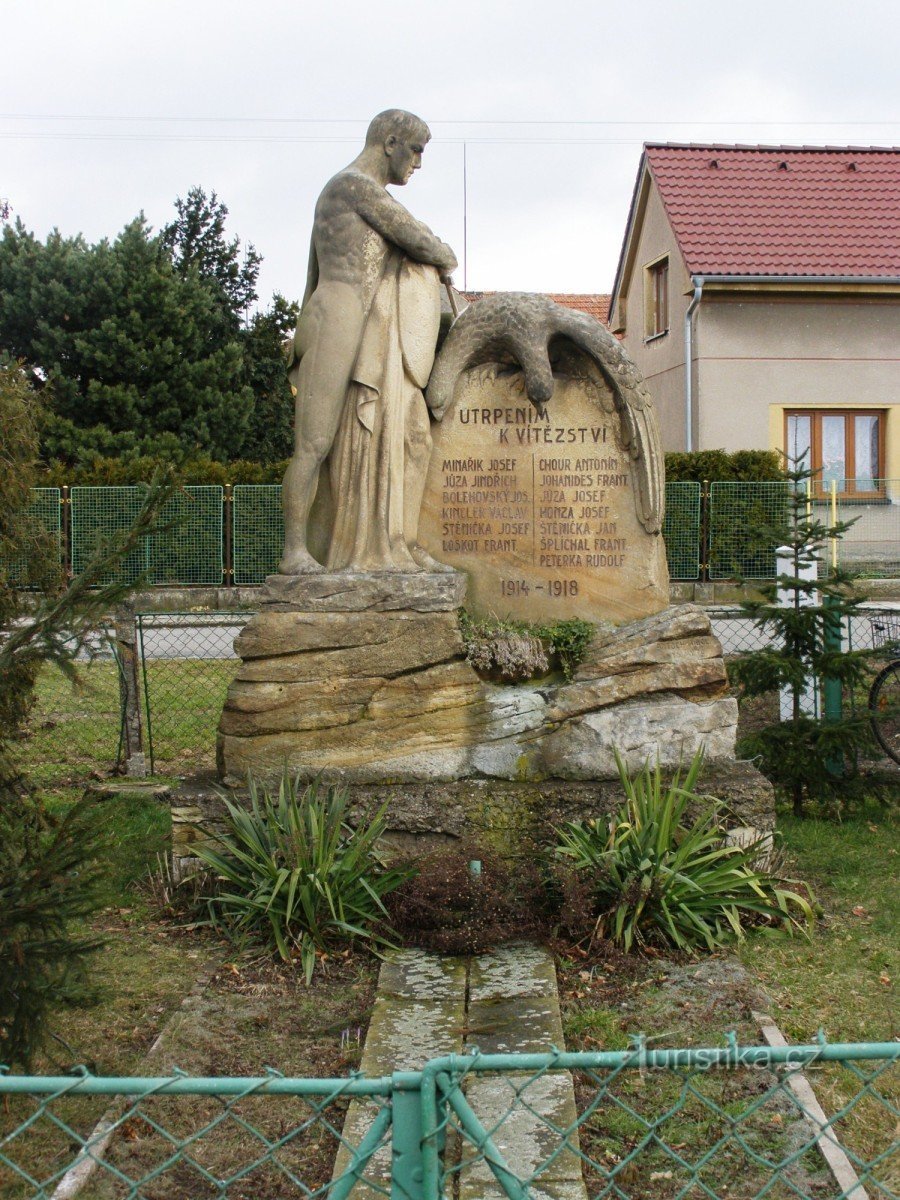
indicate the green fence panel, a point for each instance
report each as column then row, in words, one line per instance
column 190, row 551
column 258, row 531
column 43, row 528
column 681, row 530
column 871, row 546
column 736, row 513
column 99, row 513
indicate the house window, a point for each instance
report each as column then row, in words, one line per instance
column 844, row 447
column 657, row 298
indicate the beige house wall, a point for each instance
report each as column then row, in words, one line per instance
column 758, row 357
column 660, row 359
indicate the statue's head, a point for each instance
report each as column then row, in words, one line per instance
column 402, row 137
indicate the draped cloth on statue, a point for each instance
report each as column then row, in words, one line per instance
column 369, row 457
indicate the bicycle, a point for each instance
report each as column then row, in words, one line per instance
column 884, row 694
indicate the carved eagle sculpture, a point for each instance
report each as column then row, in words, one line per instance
column 523, row 326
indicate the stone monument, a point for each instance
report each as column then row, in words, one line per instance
column 543, row 498
column 546, row 485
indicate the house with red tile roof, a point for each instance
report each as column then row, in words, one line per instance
column 758, row 290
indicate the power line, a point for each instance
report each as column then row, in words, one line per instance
column 606, row 121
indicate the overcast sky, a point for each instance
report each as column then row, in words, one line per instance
column 110, row 107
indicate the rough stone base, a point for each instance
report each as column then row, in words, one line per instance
column 339, row 680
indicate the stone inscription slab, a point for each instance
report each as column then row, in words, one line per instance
column 540, row 512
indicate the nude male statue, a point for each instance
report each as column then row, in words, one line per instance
column 367, row 254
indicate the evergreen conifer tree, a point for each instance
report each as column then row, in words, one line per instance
column 48, row 877
column 804, row 754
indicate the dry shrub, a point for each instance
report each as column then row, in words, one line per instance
column 447, row 908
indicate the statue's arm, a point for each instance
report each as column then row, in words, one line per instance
column 397, row 225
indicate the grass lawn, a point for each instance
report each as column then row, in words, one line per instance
column 74, row 731
column 844, row 980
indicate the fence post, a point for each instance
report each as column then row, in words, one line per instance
column 784, row 561
column 407, row 1168
column 705, row 536
column 65, row 530
column 831, row 687
column 227, row 529
column 129, row 691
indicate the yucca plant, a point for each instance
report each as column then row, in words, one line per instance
column 661, row 876
column 295, row 874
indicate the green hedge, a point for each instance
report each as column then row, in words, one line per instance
column 740, row 466
column 118, row 472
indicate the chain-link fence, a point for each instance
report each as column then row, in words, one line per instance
column 187, row 661
column 739, row 633
column 75, row 727
column 871, row 546
column 724, row 1123
column 185, row 664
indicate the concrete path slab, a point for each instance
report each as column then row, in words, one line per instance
column 419, row 1013
column 505, row 1001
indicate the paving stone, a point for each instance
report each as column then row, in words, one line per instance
column 516, row 970
column 421, row 1013
column 519, row 1025
column 525, row 1111
column 418, row 975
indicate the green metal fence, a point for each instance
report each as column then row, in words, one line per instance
column 736, row 511
column 682, row 530
column 258, row 536
column 188, row 549
column 236, row 535
column 729, row 1122
column 42, row 523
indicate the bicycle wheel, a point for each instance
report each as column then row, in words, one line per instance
column 884, row 709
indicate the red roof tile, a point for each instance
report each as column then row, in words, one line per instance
column 776, row 210
column 591, row 303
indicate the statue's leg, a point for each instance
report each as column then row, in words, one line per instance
column 322, row 380
column 418, row 445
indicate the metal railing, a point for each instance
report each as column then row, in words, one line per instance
column 726, row 1122
column 235, row 535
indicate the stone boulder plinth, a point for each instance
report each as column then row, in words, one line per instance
column 364, row 679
